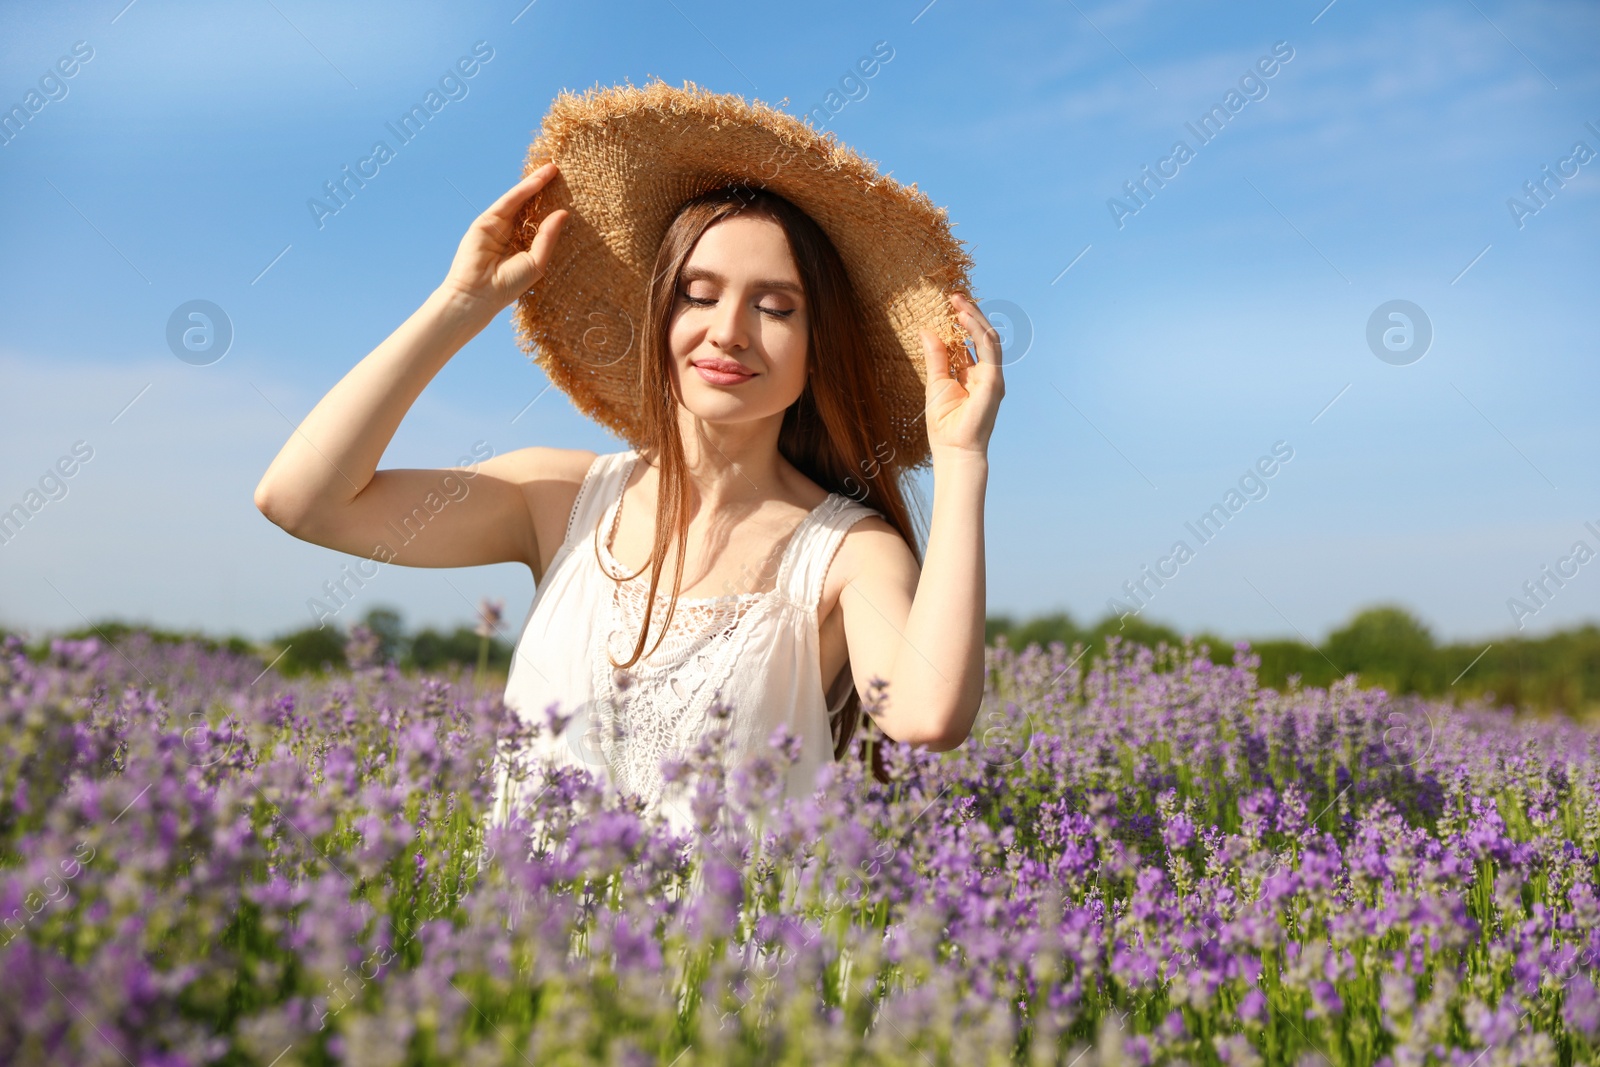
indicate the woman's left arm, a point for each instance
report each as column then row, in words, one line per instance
column 924, row 633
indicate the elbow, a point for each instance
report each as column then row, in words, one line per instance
column 278, row 511
column 948, row 740
column 263, row 499
column 940, row 734
column 953, row 728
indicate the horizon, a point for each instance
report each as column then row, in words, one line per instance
column 1085, row 623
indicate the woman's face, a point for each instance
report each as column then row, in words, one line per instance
column 739, row 328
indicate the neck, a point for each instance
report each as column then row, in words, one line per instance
column 731, row 462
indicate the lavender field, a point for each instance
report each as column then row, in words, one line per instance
column 1136, row 858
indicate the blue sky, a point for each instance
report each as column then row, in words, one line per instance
column 1228, row 313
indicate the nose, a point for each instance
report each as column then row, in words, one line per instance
column 729, row 329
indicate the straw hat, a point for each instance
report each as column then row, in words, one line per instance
column 629, row 157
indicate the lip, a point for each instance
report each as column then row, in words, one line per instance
column 722, row 371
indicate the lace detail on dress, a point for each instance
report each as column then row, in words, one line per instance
column 757, row 651
column 659, row 706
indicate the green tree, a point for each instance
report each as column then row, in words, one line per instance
column 115, row 631
column 1043, row 630
column 312, row 650
column 1387, row 646
column 386, row 623
column 431, row 650
column 1282, row 660
column 1133, row 630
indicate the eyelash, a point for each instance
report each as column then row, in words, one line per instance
column 702, row 302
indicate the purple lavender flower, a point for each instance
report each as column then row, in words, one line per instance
column 1144, row 867
column 1580, row 1008
column 1253, row 1006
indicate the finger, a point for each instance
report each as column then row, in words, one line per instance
column 977, row 326
column 966, row 358
column 984, row 336
column 544, row 242
column 525, row 269
column 935, row 356
column 513, row 198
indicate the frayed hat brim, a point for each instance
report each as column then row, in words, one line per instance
column 629, row 157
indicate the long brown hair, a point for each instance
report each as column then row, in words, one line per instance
column 836, row 433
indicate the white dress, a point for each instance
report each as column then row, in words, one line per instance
column 758, row 651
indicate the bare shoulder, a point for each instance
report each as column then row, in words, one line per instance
column 549, row 480
column 872, row 550
column 872, row 543
column 538, row 464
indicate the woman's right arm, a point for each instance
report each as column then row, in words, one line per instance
column 324, row 486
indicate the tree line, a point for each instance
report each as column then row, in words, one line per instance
column 380, row 637
column 1384, row 646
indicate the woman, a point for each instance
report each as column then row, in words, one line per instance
column 763, row 492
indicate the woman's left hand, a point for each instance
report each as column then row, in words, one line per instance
column 961, row 409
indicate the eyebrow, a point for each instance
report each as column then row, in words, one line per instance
column 690, row 274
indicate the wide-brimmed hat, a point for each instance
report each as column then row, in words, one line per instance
column 629, row 157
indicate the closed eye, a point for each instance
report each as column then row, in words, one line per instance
column 707, row 302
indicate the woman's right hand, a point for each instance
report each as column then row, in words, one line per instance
column 486, row 275
column 324, row 485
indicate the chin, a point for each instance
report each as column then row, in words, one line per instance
column 744, row 403
column 719, row 407
column 709, row 410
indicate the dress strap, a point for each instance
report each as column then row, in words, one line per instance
column 601, row 485
column 815, row 543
